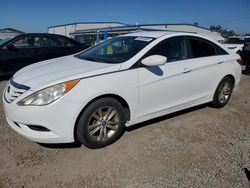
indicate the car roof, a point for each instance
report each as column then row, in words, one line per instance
column 158, row 34
column 43, row 34
column 151, row 34
column 47, row 34
column 239, row 37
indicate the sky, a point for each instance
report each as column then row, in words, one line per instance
column 37, row 15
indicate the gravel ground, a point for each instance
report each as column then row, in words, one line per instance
column 199, row 147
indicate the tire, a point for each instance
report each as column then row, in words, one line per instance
column 223, row 93
column 101, row 123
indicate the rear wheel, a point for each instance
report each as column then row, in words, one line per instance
column 223, row 93
column 101, row 124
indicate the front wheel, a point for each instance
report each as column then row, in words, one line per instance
column 101, row 124
column 223, row 93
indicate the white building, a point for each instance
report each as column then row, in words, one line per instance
column 66, row 29
column 186, row 28
column 96, row 31
column 9, row 32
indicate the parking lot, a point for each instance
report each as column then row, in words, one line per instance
column 198, row 147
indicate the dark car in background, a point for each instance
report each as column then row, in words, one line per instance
column 245, row 55
column 26, row 49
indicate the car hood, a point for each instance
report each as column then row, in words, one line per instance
column 59, row 70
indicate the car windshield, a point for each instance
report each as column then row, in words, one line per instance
column 116, row 50
column 247, row 46
column 5, row 40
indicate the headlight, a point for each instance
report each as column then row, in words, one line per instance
column 48, row 95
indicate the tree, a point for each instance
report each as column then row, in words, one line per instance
column 212, row 27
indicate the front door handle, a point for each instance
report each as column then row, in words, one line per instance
column 186, row 70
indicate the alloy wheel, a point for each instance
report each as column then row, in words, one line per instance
column 103, row 123
column 224, row 92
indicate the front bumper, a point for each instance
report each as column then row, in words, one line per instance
column 57, row 118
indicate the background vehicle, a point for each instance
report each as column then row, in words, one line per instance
column 245, row 55
column 125, row 80
column 26, row 49
column 235, row 43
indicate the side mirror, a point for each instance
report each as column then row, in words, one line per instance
column 154, row 60
column 11, row 47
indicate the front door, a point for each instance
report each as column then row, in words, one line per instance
column 23, row 51
column 163, row 88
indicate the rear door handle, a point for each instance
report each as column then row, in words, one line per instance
column 38, row 50
column 220, row 62
column 186, row 70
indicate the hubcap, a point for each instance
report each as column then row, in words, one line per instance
column 224, row 92
column 103, row 123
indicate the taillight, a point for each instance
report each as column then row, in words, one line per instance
column 240, row 61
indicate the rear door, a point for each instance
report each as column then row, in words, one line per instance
column 204, row 66
column 56, row 46
column 23, row 51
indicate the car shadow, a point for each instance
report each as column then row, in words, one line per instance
column 247, row 172
column 245, row 72
column 165, row 117
column 155, row 70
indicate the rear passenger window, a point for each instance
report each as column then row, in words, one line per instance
column 54, row 42
column 201, row 48
column 220, row 51
column 173, row 49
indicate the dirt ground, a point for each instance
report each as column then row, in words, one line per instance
column 199, row 147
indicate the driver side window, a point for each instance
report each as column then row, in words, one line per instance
column 27, row 42
column 174, row 49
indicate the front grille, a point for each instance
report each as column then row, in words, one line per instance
column 13, row 90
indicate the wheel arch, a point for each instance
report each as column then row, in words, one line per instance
column 120, row 99
column 219, row 80
column 231, row 77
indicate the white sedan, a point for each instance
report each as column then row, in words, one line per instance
column 90, row 97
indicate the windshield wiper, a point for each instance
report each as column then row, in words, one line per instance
column 95, row 60
column 91, row 59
